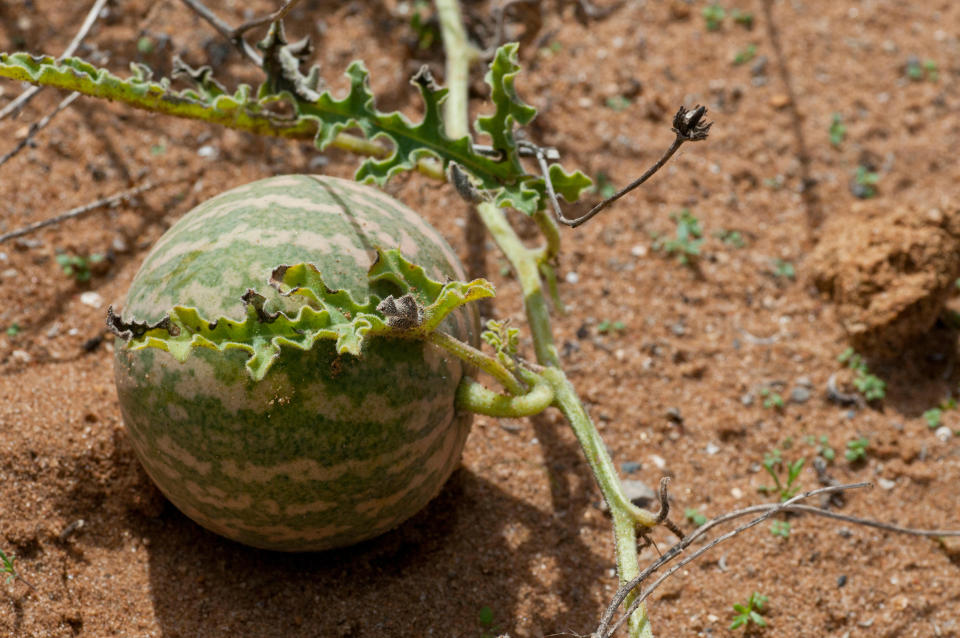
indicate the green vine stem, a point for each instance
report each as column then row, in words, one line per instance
column 475, row 397
column 477, row 358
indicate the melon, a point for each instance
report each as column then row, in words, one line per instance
column 327, row 449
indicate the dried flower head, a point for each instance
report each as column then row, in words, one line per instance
column 689, row 125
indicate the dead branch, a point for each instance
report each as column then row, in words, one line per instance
column 604, row 630
column 82, row 210
column 28, row 95
column 235, row 34
column 36, row 127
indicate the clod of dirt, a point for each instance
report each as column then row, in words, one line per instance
column 889, row 272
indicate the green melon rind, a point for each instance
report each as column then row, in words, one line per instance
column 327, row 449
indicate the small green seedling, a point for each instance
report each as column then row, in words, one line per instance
column 713, row 15
column 865, row 182
column 13, row 329
column 487, row 628
column 7, row 567
column 933, row 417
column 783, row 269
column 618, row 103
column 730, row 238
column 606, row 326
column 750, row 612
column 688, row 240
column 603, row 186
column 771, row 400
column 745, row 54
column 918, row 71
column 426, row 32
column 694, row 516
column 823, row 447
column 857, row 449
column 785, row 491
column 743, row 18
column 868, row 384
column 780, row 528
column 838, row 131
column 146, row 45
column 77, row 266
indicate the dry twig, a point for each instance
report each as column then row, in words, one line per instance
column 605, row 630
column 82, row 210
column 235, row 34
column 36, row 127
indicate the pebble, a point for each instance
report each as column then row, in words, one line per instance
column 759, row 66
column 21, row 356
column 9, row 273
column 120, row 246
column 318, row 162
column 92, row 299
column 841, row 580
column 804, row 382
column 800, row 394
column 886, row 484
column 639, row 493
column 208, row 152
column 639, row 250
column 678, row 329
column 711, row 448
column 54, row 329
column 747, row 399
column 572, row 278
column 658, row 460
column 943, row 433
column 780, row 100
column 736, row 492
column 673, row 415
column 629, row 467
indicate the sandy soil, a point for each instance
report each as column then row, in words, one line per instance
column 680, row 391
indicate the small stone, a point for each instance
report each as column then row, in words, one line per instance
column 712, row 618
column 9, row 273
column 885, row 483
column 54, row 329
column 120, row 246
column 673, row 415
column 800, row 394
column 780, row 100
column 318, row 161
column 943, row 433
column 639, row 493
column 678, row 329
column 747, row 399
column 572, row 278
column 208, row 152
column 679, row 10
column 629, row 467
column 639, row 250
column 844, row 532
column 804, row 382
column 658, row 460
column 92, row 299
column 736, row 492
column 841, row 580
column 21, row 356
column 711, row 448
column 759, row 66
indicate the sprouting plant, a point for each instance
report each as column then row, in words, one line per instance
column 423, row 28
column 13, row 329
column 784, row 269
column 918, row 71
column 694, row 516
column 743, row 18
column 486, row 620
column 713, row 15
column 618, row 103
column 606, row 326
column 745, row 54
column 604, row 186
column 771, row 399
column 145, row 45
column 7, row 567
column 838, row 130
column 823, row 447
column 730, row 237
column 857, row 449
column 785, row 490
column 865, row 182
column 780, row 528
column 750, row 612
column 689, row 238
column 868, row 384
column 77, row 266
column 933, row 417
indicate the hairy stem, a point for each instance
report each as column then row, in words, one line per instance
column 475, row 397
column 475, row 357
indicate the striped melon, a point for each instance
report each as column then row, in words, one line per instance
column 327, row 450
